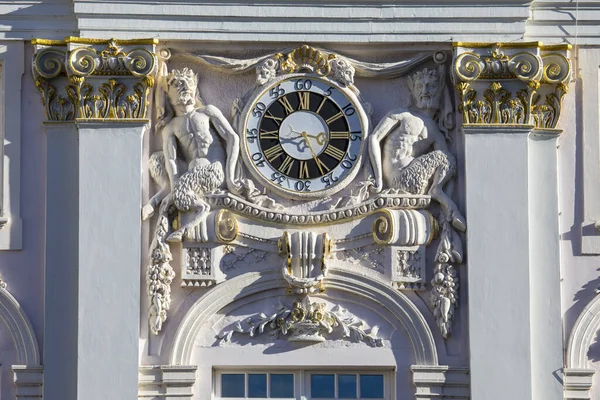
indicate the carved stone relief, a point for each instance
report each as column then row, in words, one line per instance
column 482, row 71
column 103, row 79
column 299, row 174
column 306, row 321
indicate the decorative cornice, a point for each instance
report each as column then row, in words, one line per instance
column 504, row 83
column 514, row 45
column 97, row 79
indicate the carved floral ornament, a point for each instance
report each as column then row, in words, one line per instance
column 512, row 84
column 94, row 79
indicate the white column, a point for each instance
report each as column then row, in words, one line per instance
column 497, row 198
column 515, row 327
column 62, row 264
column 93, row 268
column 544, row 250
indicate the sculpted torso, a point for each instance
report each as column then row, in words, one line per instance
column 413, row 136
column 195, row 139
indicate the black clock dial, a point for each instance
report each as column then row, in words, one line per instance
column 293, row 151
column 304, row 136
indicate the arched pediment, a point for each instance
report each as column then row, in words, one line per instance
column 20, row 329
column 393, row 301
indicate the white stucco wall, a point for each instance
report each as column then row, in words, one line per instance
column 23, row 270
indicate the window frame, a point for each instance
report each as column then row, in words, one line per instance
column 302, row 381
column 217, row 382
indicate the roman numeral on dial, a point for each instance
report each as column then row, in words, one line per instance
column 274, row 118
column 303, row 173
column 286, row 105
column 273, row 152
column 273, row 135
column 334, row 118
column 304, row 100
column 339, row 135
column 321, row 105
column 286, row 165
column 335, row 152
column 321, row 165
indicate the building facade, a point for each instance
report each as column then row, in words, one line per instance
column 293, row 200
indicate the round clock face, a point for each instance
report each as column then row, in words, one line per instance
column 304, row 137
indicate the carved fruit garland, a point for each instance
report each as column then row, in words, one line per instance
column 159, row 276
column 306, row 321
column 444, row 292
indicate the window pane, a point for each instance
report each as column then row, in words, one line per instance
column 232, row 385
column 322, row 386
column 371, row 386
column 347, row 386
column 282, row 385
column 257, row 385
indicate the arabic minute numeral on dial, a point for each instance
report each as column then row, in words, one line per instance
column 302, row 186
column 303, row 135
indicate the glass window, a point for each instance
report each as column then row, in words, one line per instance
column 282, row 386
column 347, row 386
column 233, row 385
column 322, row 386
column 371, row 386
column 304, row 384
column 257, row 385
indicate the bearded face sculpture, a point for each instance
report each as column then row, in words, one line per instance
column 182, row 87
column 425, row 88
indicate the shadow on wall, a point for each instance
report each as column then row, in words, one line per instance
column 594, row 351
column 580, row 301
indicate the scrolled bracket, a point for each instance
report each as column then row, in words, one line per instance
column 305, row 251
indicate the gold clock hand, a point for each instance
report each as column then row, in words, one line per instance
column 320, row 137
column 305, row 135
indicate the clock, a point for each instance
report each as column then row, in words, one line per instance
column 304, row 136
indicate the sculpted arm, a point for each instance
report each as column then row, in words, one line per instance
column 439, row 142
column 170, row 152
column 385, row 126
column 233, row 146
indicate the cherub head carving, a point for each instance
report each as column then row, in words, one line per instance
column 342, row 71
column 182, row 86
column 426, row 88
column 266, row 71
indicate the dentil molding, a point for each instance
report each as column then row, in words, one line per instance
column 94, row 79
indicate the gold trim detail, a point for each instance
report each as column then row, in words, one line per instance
column 383, row 228
column 541, row 76
column 48, row 42
column 308, row 59
column 499, row 106
column 226, row 226
column 120, row 42
column 110, row 100
column 509, row 45
column 80, row 40
column 109, row 83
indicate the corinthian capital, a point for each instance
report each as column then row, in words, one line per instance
column 95, row 78
column 511, row 83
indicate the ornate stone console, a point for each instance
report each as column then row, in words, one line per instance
column 301, row 160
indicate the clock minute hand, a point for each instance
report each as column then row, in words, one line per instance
column 305, row 136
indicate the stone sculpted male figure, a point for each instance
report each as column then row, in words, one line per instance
column 193, row 161
column 414, row 157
